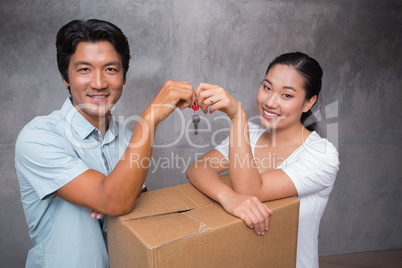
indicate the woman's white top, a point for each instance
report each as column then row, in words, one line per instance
column 312, row 167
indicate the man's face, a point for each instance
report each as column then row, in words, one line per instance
column 96, row 79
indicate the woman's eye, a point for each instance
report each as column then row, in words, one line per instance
column 287, row 96
column 266, row 88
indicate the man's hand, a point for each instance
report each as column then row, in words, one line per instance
column 173, row 94
column 95, row 214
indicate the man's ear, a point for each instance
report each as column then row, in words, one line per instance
column 309, row 103
column 67, row 84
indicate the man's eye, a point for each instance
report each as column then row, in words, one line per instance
column 111, row 70
column 83, row 70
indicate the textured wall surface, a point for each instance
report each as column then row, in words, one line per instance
column 230, row 43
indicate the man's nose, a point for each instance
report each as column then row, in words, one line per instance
column 98, row 81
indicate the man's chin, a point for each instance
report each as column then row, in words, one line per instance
column 101, row 113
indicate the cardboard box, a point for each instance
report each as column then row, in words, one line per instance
column 181, row 227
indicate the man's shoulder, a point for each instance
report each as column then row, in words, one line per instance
column 44, row 123
column 42, row 129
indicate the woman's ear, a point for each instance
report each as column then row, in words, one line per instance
column 309, row 103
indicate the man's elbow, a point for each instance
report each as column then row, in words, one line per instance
column 121, row 208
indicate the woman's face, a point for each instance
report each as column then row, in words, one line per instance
column 281, row 98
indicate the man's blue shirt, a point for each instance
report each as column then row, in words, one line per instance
column 50, row 152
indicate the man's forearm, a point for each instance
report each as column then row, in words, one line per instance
column 124, row 183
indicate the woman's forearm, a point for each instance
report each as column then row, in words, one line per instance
column 206, row 179
column 244, row 175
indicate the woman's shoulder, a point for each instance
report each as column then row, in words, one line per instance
column 314, row 139
column 317, row 146
column 255, row 130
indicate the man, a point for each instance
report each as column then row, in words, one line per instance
column 77, row 158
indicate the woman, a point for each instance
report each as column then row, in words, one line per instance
column 278, row 159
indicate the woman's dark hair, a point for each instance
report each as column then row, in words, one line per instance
column 91, row 31
column 312, row 73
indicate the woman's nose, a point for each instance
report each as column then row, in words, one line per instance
column 271, row 101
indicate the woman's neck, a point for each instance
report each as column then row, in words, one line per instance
column 293, row 136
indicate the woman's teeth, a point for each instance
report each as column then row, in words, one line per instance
column 270, row 114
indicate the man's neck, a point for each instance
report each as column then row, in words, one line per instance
column 103, row 125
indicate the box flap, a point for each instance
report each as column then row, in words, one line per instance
column 174, row 199
column 155, row 232
column 215, row 216
column 181, row 227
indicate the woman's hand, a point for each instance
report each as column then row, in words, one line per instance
column 248, row 208
column 217, row 98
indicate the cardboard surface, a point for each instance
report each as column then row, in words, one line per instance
column 181, row 227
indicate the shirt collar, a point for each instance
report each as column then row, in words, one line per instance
column 112, row 132
column 78, row 122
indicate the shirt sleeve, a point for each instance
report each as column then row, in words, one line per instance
column 314, row 169
column 223, row 148
column 254, row 133
column 46, row 160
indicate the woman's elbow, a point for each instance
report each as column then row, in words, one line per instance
column 241, row 190
column 189, row 173
column 246, row 189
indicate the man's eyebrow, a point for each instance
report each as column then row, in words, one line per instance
column 285, row 87
column 118, row 63
column 106, row 64
column 82, row 63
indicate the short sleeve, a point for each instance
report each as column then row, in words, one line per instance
column 223, row 148
column 46, row 160
column 255, row 132
column 314, row 167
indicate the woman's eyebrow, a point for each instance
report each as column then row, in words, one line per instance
column 289, row 87
column 269, row 82
column 285, row 87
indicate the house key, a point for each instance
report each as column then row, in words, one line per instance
column 196, row 118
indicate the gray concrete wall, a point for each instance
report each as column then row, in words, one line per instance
column 229, row 43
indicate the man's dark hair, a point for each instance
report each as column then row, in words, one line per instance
column 91, row 31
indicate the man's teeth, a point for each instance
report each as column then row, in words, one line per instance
column 98, row 97
column 269, row 114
